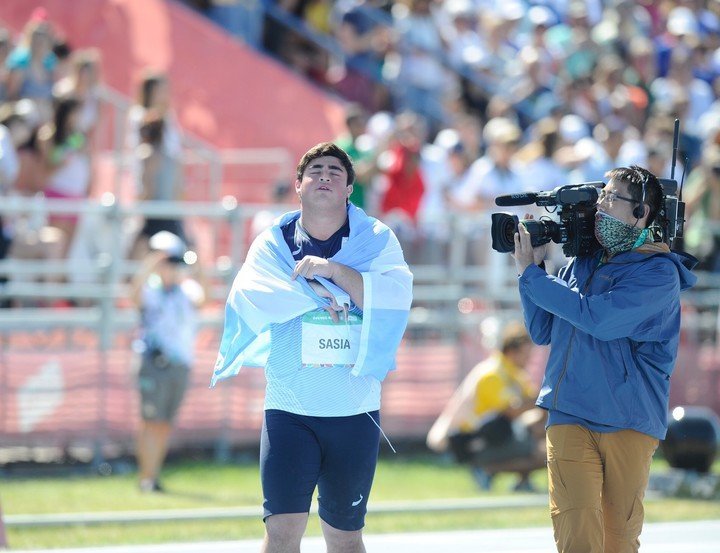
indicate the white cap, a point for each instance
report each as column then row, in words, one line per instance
column 573, row 128
column 682, row 21
column 511, row 10
column 380, row 125
column 460, row 8
column 169, row 243
column 447, row 139
column 541, row 15
column 501, row 130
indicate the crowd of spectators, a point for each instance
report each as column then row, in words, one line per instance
column 449, row 104
column 50, row 110
column 456, row 101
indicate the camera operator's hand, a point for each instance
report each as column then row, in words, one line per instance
column 524, row 253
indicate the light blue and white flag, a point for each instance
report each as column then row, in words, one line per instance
column 264, row 294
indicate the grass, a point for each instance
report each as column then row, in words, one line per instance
column 204, row 484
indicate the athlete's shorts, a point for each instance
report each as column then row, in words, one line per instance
column 162, row 386
column 336, row 454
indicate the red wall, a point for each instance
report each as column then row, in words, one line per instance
column 223, row 91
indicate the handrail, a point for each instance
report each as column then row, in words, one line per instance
column 436, row 285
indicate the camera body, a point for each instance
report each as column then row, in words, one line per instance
column 576, row 208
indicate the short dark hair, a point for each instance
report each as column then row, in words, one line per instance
column 327, row 149
column 150, row 81
column 634, row 176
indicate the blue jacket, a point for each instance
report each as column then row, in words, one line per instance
column 614, row 331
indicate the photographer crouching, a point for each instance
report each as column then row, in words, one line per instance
column 612, row 319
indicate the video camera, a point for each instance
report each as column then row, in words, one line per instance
column 576, row 207
column 575, row 231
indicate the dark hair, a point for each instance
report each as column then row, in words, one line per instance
column 634, row 176
column 151, row 128
column 61, row 49
column 148, row 85
column 327, row 149
column 63, row 109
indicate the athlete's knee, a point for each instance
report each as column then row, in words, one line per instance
column 342, row 541
column 284, row 532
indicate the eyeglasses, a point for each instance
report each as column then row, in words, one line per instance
column 610, row 197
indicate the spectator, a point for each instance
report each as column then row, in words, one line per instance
column 491, row 422
column 421, row 81
column 83, row 83
column 65, row 153
column 444, row 165
column 365, row 42
column 532, row 92
column 5, row 49
column 538, row 157
column 496, row 172
column 168, row 301
column 461, row 33
column 242, row 18
column 31, row 67
column 702, row 197
column 364, row 160
column 26, row 235
column 155, row 142
column 405, row 186
column 680, row 84
column 63, row 54
column 159, row 179
column 9, row 167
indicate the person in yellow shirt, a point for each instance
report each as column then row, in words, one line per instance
column 491, row 422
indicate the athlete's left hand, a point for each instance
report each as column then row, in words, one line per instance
column 312, row 266
column 323, row 292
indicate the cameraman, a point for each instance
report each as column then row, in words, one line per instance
column 613, row 322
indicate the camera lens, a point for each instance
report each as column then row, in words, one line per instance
column 504, row 227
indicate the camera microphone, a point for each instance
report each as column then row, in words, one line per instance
column 516, row 199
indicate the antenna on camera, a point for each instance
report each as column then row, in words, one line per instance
column 676, row 140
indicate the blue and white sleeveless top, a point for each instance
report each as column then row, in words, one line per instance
column 308, row 368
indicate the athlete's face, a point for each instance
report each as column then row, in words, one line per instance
column 324, row 183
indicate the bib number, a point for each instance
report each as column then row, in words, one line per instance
column 326, row 343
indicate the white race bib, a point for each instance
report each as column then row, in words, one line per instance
column 325, row 343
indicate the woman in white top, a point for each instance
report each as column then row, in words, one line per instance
column 155, row 143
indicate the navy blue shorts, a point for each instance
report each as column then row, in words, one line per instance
column 336, row 454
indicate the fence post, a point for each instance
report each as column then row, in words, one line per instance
column 3, row 538
column 110, row 263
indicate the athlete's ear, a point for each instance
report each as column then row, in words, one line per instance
column 298, row 185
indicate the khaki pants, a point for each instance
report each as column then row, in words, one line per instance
column 597, row 484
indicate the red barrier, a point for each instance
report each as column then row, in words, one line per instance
column 68, row 398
